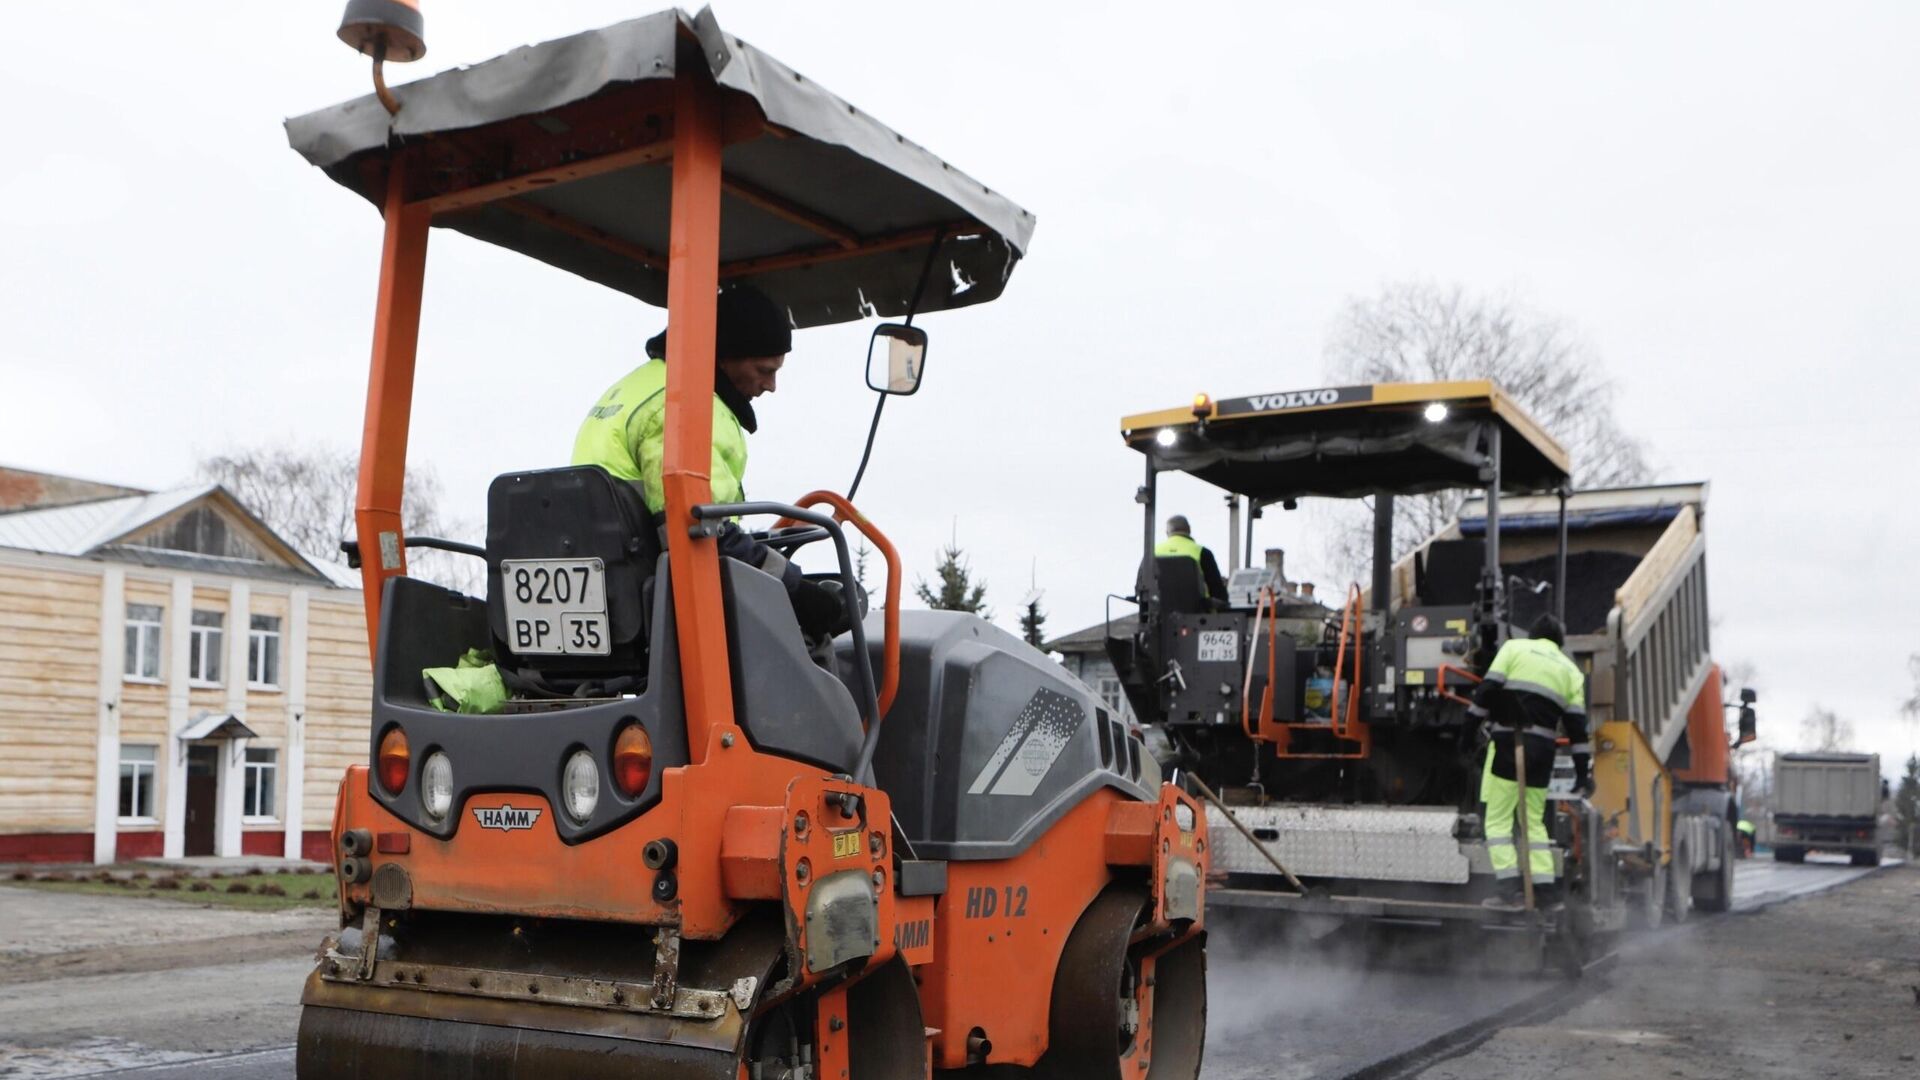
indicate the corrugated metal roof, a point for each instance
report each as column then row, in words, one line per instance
column 81, row 529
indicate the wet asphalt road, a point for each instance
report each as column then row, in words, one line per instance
column 1306, row 1019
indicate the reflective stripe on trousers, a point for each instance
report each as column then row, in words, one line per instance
column 1502, row 798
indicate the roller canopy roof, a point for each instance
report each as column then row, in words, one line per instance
column 1350, row 441
column 562, row 151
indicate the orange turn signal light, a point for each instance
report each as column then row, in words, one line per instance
column 632, row 760
column 395, row 760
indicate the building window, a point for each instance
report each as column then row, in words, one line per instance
column 143, row 642
column 136, row 783
column 205, row 646
column 262, row 767
column 263, row 652
column 1112, row 695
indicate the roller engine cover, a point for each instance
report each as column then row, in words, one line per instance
column 990, row 741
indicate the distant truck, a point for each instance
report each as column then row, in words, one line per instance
column 1827, row 802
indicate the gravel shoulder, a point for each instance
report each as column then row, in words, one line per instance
column 1822, row 986
column 38, row 922
column 91, row 983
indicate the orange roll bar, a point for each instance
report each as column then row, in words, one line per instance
column 844, row 511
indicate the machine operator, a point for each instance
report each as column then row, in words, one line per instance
column 625, row 434
column 1180, row 542
column 1533, row 693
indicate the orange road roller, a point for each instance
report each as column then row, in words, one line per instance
column 683, row 837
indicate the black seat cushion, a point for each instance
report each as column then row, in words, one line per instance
column 580, row 512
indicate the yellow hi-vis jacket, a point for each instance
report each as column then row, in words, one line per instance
column 1177, row 545
column 626, row 429
column 1537, row 667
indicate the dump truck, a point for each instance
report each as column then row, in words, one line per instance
column 1827, row 802
column 1340, row 765
column 687, row 839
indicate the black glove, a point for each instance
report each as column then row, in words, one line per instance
column 818, row 608
column 1583, row 775
column 735, row 543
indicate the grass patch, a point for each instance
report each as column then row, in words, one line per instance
column 263, row 892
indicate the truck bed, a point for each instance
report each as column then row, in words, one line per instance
column 1636, row 608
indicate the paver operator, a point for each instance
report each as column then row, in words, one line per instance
column 1180, row 542
column 1534, row 692
column 625, row 433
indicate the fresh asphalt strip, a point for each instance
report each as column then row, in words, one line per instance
column 1555, row 1000
column 276, row 1063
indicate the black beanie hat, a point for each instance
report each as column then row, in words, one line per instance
column 1548, row 628
column 746, row 324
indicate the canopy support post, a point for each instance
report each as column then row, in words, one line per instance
column 1560, row 564
column 383, row 443
column 1383, row 554
column 1492, row 609
column 1253, row 513
column 693, row 280
column 1147, row 499
column 1233, row 533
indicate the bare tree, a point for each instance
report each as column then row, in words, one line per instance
column 1824, row 730
column 1910, row 708
column 306, row 495
column 1423, row 332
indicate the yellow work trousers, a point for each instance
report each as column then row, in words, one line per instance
column 1503, row 799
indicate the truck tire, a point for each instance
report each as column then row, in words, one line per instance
column 1713, row 890
column 1680, row 879
column 1866, row 858
column 1789, row 854
column 1647, row 908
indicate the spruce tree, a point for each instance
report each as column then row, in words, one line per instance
column 1031, row 621
column 957, row 590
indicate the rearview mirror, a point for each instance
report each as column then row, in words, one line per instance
column 1749, row 727
column 896, row 358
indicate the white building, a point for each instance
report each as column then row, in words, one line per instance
column 174, row 679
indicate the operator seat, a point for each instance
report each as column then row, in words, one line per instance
column 579, row 512
column 1178, row 588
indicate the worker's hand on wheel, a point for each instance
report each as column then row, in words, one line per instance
column 819, row 609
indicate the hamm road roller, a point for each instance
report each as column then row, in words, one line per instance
column 682, row 838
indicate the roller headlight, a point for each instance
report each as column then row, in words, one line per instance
column 436, row 785
column 581, row 785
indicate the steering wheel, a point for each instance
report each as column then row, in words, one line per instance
column 790, row 539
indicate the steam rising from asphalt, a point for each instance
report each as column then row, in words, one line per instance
column 1283, row 1004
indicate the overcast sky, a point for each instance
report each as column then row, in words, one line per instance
column 1720, row 197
